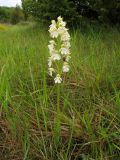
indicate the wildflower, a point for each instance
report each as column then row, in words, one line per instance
column 59, row 53
column 65, row 37
column 56, row 57
column 61, row 30
column 61, row 22
column 58, row 79
column 53, row 30
column 60, row 19
column 49, row 61
column 52, row 42
column 66, row 67
column 51, row 48
column 66, row 44
column 51, row 70
column 64, row 51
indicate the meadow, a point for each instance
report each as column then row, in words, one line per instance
column 88, row 127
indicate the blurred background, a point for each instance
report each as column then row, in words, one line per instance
column 76, row 12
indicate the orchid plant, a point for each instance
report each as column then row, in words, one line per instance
column 59, row 49
column 58, row 61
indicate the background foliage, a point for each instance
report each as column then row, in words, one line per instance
column 11, row 15
column 17, row 15
column 105, row 11
column 74, row 11
column 5, row 13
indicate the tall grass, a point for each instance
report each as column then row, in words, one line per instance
column 89, row 98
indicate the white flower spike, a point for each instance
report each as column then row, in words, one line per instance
column 59, row 49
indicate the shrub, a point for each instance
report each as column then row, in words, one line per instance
column 5, row 13
column 73, row 10
column 17, row 15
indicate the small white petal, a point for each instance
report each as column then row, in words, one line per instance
column 53, row 22
column 51, row 47
column 58, row 79
column 66, row 67
column 64, row 50
column 56, row 57
column 65, row 37
column 66, row 44
column 60, row 19
column 52, row 42
column 51, row 70
column 62, row 30
column 54, row 34
column 49, row 61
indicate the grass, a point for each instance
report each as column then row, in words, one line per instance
column 88, row 127
column 3, row 27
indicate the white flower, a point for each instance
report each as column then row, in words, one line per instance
column 54, row 34
column 64, row 51
column 51, row 48
column 60, row 19
column 61, row 22
column 53, row 30
column 52, row 42
column 58, row 29
column 65, row 37
column 62, row 30
column 66, row 44
column 53, row 22
column 56, row 57
column 68, row 58
column 52, row 26
column 49, row 61
column 66, row 67
column 51, row 70
column 58, row 79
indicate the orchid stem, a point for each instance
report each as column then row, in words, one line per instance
column 58, row 99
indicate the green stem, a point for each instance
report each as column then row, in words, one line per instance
column 57, row 119
column 58, row 99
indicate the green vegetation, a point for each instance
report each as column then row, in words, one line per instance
column 17, row 15
column 5, row 14
column 3, row 27
column 89, row 103
column 11, row 15
column 74, row 11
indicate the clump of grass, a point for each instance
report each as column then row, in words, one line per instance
column 89, row 100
